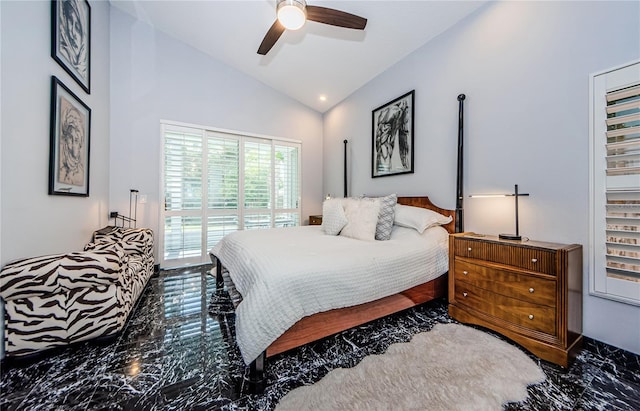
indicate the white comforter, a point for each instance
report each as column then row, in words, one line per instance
column 285, row 274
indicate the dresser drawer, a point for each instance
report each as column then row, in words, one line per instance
column 530, row 291
column 532, row 259
column 522, row 313
column 510, row 284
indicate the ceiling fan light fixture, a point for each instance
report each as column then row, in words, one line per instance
column 292, row 14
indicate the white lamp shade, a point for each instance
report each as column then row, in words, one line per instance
column 292, row 14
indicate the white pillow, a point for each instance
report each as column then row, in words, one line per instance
column 333, row 216
column 362, row 214
column 418, row 218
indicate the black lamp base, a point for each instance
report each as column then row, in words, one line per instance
column 510, row 237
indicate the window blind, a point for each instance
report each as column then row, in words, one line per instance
column 257, row 175
column 287, row 185
column 182, row 193
column 623, row 184
column 257, row 184
column 286, row 175
column 614, row 252
column 216, row 182
column 223, row 172
column 183, row 170
column 223, row 192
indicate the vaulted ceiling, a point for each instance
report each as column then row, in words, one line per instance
column 317, row 60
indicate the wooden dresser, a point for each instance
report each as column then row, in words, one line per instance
column 528, row 291
column 315, row 220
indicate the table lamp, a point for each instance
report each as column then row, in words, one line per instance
column 516, row 194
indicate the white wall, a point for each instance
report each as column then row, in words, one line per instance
column 156, row 77
column 1, row 302
column 524, row 67
column 33, row 222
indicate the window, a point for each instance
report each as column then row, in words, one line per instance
column 216, row 182
column 615, row 184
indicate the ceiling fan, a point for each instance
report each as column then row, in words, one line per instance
column 292, row 14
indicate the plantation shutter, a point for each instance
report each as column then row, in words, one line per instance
column 182, row 193
column 287, row 185
column 217, row 182
column 223, row 176
column 257, row 184
column 623, row 184
column 617, row 187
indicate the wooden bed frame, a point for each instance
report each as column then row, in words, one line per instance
column 317, row 326
column 324, row 324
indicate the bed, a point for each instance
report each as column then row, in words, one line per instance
column 266, row 328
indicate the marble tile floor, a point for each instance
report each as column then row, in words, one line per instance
column 177, row 353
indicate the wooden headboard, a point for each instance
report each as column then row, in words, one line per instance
column 424, row 202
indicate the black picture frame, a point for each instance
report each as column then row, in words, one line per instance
column 69, row 142
column 71, row 39
column 393, row 137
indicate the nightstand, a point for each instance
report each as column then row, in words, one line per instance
column 528, row 291
column 315, row 220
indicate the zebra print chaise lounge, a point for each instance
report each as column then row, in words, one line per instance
column 64, row 298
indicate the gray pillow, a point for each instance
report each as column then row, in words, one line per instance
column 386, row 216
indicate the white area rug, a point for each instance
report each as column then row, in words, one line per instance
column 451, row 367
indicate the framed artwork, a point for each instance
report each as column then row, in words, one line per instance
column 69, row 142
column 392, row 137
column 71, row 39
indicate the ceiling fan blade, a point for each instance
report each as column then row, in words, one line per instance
column 271, row 37
column 335, row 17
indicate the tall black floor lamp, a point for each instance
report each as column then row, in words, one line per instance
column 345, row 168
column 459, row 226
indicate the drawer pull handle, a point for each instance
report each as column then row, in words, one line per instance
column 534, row 260
column 464, row 294
column 531, row 290
column 465, row 272
column 469, row 249
column 531, row 316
